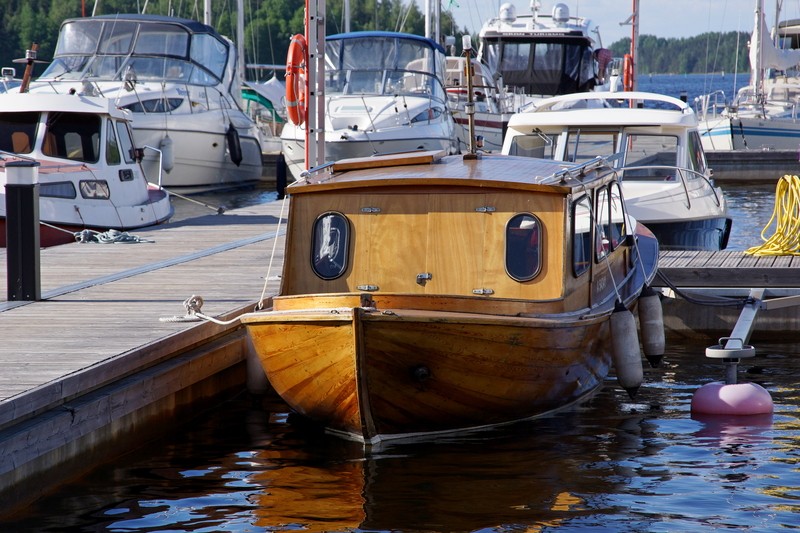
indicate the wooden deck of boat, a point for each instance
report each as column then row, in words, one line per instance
column 728, row 269
column 98, row 324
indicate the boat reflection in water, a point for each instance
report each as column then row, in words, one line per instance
column 511, row 476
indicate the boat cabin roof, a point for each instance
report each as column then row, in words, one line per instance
column 613, row 109
column 43, row 102
column 192, row 26
column 434, row 168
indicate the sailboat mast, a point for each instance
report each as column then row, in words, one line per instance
column 635, row 44
column 240, row 38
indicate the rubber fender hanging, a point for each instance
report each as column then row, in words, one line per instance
column 234, row 145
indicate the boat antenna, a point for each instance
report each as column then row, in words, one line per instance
column 469, row 106
column 29, row 60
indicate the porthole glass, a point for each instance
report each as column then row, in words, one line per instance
column 523, row 237
column 329, row 245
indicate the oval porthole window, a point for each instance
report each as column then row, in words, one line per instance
column 523, row 237
column 329, row 245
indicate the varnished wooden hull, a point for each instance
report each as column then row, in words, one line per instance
column 383, row 374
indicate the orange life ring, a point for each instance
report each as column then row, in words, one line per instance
column 627, row 72
column 296, row 80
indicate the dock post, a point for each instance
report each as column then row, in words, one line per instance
column 257, row 382
column 280, row 176
column 22, row 231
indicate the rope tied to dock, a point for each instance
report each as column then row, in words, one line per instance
column 111, row 236
column 786, row 217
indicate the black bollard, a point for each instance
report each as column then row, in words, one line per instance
column 280, row 176
column 22, row 231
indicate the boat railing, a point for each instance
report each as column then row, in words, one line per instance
column 669, row 174
column 709, row 106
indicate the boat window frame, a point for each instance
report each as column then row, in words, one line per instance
column 606, row 224
column 18, row 131
column 341, row 251
column 582, row 248
column 527, row 252
column 54, row 190
column 113, row 148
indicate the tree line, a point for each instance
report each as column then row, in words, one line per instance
column 708, row 52
column 269, row 25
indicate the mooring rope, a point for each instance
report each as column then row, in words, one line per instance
column 111, row 236
column 786, row 216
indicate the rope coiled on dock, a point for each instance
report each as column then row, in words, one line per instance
column 786, row 217
column 111, row 236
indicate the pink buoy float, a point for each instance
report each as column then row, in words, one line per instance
column 737, row 399
column 731, row 398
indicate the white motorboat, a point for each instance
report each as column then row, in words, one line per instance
column 764, row 114
column 536, row 55
column 179, row 78
column 655, row 143
column 89, row 172
column 384, row 93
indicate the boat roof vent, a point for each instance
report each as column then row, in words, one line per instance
column 561, row 13
column 508, row 13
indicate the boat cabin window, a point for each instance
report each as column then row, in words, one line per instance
column 73, row 136
column 155, row 105
column 113, row 156
column 584, row 146
column 18, row 131
column 551, row 67
column 523, row 247
column 697, row 158
column 581, row 235
column 657, row 153
column 125, row 141
column 610, row 220
column 60, row 189
column 540, row 145
column 329, row 245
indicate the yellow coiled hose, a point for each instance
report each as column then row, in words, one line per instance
column 786, row 215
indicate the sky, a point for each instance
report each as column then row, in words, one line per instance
column 662, row 18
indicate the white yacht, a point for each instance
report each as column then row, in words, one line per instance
column 384, row 94
column 537, row 55
column 179, row 78
column 654, row 142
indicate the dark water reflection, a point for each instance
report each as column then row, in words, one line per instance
column 607, row 465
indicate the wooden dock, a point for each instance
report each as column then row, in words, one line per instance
column 92, row 363
column 708, row 277
column 727, row 269
column 752, row 165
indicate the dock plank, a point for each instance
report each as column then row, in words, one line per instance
column 727, row 269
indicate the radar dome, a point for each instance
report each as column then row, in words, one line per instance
column 508, row 13
column 561, row 13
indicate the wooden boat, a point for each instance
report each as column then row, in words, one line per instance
column 424, row 293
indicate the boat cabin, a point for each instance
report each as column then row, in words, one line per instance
column 516, row 229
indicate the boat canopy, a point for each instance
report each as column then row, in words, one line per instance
column 141, row 47
column 375, row 63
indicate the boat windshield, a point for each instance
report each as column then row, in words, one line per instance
column 107, row 50
column 383, row 66
column 546, row 67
